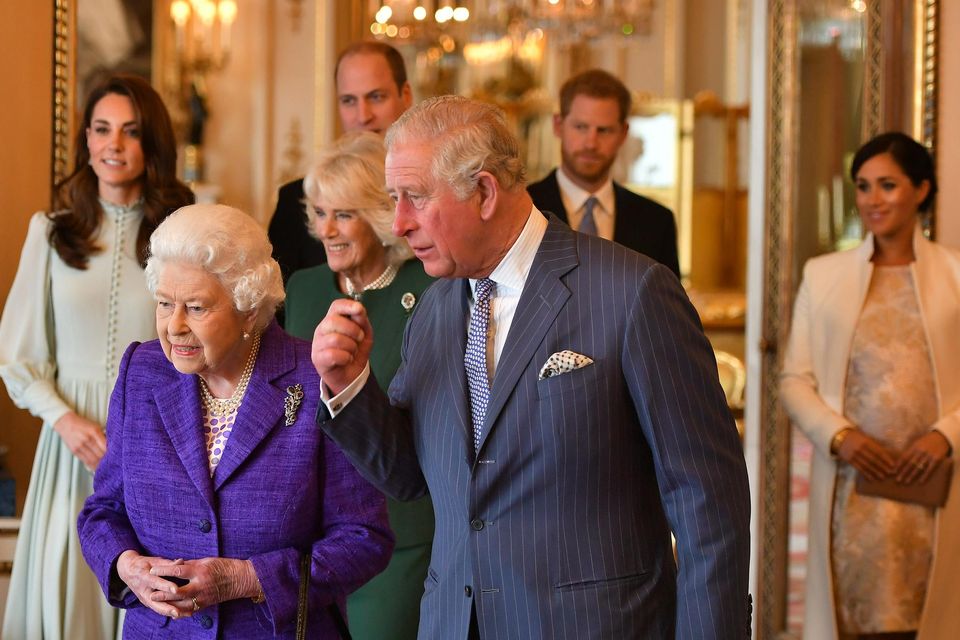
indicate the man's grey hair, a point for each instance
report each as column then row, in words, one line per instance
column 466, row 136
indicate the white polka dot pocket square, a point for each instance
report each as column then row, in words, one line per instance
column 563, row 362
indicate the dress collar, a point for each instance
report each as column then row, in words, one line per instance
column 119, row 210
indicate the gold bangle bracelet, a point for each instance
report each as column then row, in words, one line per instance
column 259, row 598
column 838, row 439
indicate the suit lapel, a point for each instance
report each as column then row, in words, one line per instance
column 624, row 232
column 262, row 408
column 179, row 407
column 543, row 296
column 937, row 297
column 553, row 201
column 843, row 300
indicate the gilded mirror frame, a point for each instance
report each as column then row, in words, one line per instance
column 882, row 83
column 64, row 50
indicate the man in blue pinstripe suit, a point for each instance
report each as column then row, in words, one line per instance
column 603, row 427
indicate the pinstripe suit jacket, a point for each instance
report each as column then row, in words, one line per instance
column 559, row 527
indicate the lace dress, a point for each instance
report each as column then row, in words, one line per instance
column 61, row 337
column 882, row 549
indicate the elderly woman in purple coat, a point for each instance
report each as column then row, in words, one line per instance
column 216, row 481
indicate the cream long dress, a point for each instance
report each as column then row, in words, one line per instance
column 61, row 336
column 882, row 549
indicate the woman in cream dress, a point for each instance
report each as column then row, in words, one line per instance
column 872, row 376
column 78, row 299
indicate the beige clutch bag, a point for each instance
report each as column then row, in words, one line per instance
column 932, row 493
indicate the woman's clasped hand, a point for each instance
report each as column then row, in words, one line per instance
column 179, row 588
column 875, row 462
column 922, row 457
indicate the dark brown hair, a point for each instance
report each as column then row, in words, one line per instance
column 911, row 156
column 394, row 60
column 77, row 213
column 595, row 83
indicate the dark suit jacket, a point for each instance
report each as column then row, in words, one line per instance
column 293, row 247
column 278, row 492
column 560, row 526
column 640, row 223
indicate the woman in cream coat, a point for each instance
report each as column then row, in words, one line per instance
column 895, row 179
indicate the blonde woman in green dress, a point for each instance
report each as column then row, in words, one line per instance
column 350, row 212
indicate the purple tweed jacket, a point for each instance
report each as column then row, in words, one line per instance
column 279, row 491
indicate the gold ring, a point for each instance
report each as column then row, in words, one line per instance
column 196, row 606
column 922, row 464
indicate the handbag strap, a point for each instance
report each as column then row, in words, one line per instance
column 333, row 609
column 302, row 597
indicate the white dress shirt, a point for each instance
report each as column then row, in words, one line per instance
column 574, row 197
column 510, row 277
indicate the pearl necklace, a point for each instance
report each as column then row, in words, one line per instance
column 383, row 281
column 220, row 407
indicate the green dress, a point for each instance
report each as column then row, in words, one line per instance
column 389, row 605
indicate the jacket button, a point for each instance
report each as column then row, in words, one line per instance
column 206, row 621
column 476, row 524
column 467, row 591
column 205, row 526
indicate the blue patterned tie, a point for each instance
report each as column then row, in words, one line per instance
column 587, row 224
column 475, row 358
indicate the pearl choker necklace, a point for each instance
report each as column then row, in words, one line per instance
column 220, row 407
column 383, row 281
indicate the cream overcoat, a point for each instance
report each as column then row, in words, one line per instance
column 825, row 315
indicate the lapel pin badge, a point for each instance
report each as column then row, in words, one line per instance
column 291, row 403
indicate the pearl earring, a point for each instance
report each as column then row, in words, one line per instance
column 246, row 336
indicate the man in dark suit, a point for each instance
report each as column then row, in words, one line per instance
column 372, row 92
column 558, row 401
column 592, row 126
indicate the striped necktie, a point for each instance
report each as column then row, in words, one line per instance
column 475, row 357
column 587, row 224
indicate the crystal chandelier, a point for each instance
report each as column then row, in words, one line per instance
column 562, row 20
column 587, row 19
